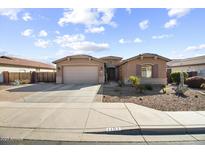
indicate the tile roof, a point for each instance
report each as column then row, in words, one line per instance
column 7, row 60
column 111, row 57
column 188, row 61
column 77, row 56
column 145, row 55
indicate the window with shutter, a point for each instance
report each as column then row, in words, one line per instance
column 146, row 71
column 138, row 70
column 155, row 71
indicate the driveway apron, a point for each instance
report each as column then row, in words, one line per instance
column 65, row 93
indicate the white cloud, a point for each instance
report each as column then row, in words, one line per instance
column 63, row 53
column 87, row 17
column 65, row 39
column 128, row 10
column 77, row 43
column 95, row 29
column 162, row 36
column 178, row 12
column 57, row 32
column 196, row 48
column 171, row 23
column 122, row 41
column 26, row 17
column 144, row 24
column 88, row 46
column 12, row 14
column 41, row 43
column 27, row 32
column 42, row 33
column 137, row 40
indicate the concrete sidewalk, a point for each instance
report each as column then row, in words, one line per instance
column 98, row 122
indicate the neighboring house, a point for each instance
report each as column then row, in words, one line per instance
column 13, row 64
column 195, row 64
column 151, row 68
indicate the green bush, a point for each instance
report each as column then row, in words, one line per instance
column 134, row 80
column 120, row 83
column 175, row 77
column 195, row 82
column 136, row 83
column 148, row 87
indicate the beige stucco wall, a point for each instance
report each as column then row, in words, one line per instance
column 198, row 68
column 79, row 62
column 129, row 69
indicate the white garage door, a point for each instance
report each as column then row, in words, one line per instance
column 80, row 74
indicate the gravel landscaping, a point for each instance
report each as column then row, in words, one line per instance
column 191, row 101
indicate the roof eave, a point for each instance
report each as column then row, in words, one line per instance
column 73, row 56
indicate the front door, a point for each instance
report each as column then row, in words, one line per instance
column 111, row 74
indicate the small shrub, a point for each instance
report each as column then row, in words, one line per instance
column 24, row 81
column 141, row 88
column 180, row 90
column 164, row 89
column 134, row 80
column 195, row 82
column 136, row 83
column 148, row 87
column 120, row 83
column 202, row 86
column 175, row 77
column 16, row 83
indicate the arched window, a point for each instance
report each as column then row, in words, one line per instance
column 146, row 71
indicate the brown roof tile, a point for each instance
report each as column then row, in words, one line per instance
column 7, row 60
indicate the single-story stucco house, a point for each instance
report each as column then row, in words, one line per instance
column 151, row 68
column 13, row 64
column 195, row 64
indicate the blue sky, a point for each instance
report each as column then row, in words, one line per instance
column 49, row 34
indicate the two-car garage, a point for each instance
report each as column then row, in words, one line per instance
column 79, row 69
column 80, row 74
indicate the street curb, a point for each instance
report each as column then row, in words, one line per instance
column 154, row 131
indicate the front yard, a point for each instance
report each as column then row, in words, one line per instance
column 192, row 101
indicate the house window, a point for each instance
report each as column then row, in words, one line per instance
column 146, row 71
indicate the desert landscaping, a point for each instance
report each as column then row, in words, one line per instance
column 192, row 100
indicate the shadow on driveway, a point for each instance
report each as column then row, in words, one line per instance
column 50, row 87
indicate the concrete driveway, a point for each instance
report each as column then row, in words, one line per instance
column 63, row 93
